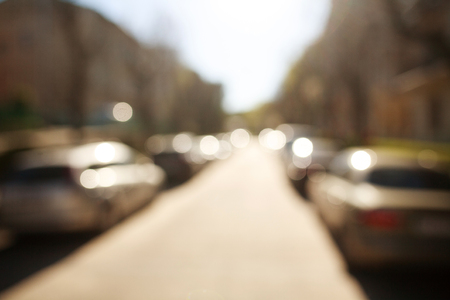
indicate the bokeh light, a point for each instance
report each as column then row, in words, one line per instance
column 427, row 158
column 361, row 160
column 262, row 136
column 240, row 138
column 182, row 143
column 105, row 152
column 302, row 147
column 89, row 179
column 122, row 112
column 195, row 157
column 275, row 140
column 209, row 145
column 287, row 130
column 155, row 144
column 296, row 173
column 302, row 162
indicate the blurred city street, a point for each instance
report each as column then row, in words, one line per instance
column 212, row 150
column 235, row 231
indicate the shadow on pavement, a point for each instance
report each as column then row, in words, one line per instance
column 406, row 283
column 29, row 254
column 403, row 282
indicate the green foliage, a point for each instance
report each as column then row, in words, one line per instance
column 16, row 113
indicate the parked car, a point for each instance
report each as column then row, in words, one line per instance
column 386, row 206
column 184, row 154
column 305, row 153
column 76, row 188
column 169, row 152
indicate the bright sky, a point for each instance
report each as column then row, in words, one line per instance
column 247, row 45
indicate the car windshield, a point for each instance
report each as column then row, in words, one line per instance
column 414, row 179
column 40, row 175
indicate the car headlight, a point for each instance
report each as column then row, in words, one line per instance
column 302, row 147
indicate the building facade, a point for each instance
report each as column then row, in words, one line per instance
column 379, row 70
column 69, row 65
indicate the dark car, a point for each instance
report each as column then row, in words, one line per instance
column 169, row 152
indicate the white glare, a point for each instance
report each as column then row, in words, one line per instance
column 275, row 140
column 302, row 147
column 262, row 136
column 107, row 177
column 122, row 112
column 209, row 145
column 105, row 152
column 182, row 143
column 240, row 138
column 89, row 179
column 361, row 160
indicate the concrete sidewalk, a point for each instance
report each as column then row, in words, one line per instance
column 237, row 231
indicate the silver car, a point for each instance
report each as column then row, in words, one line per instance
column 386, row 206
column 76, row 188
column 305, row 153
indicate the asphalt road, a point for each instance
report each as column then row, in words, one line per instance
column 235, row 231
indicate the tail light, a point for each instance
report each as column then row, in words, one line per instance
column 382, row 219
